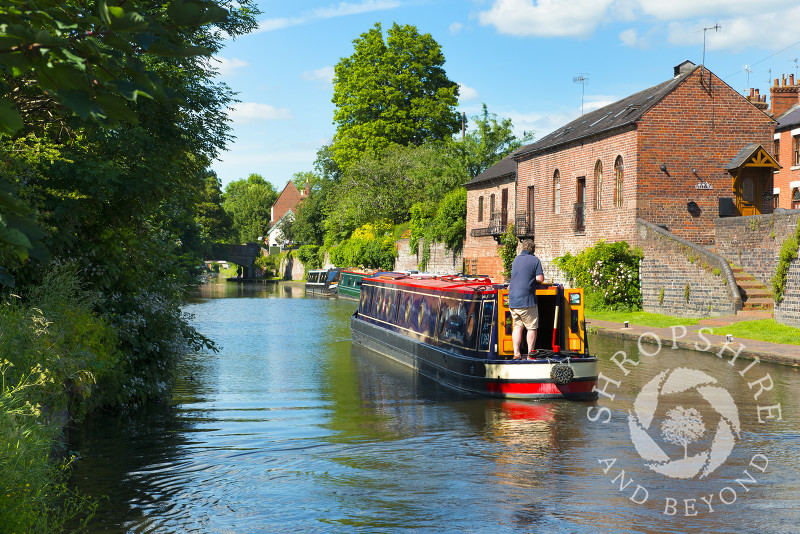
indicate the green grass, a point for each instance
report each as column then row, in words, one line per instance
column 762, row 330
column 656, row 320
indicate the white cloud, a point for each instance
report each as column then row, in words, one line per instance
column 456, row 27
column 227, row 66
column 341, row 9
column 324, row 75
column 540, row 124
column 765, row 29
column 546, row 18
column 631, row 38
column 466, row 93
column 252, row 111
column 683, row 9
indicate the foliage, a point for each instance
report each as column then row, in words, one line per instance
column 269, row 264
column 487, row 144
column 508, row 249
column 309, row 256
column 214, row 222
column 788, row 253
column 34, row 495
column 421, row 215
column 450, row 224
column 249, row 202
column 391, row 92
column 612, row 269
column 19, row 232
column 372, row 246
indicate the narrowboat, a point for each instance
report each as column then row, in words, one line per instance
column 322, row 281
column 350, row 283
column 457, row 331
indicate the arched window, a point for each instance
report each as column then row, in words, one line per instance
column 556, row 192
column 618, row 178
column 480, row 209
column 796, row 198
column 598, row 185
column 492, row 214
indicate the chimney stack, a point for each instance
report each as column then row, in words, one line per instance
column 784, row 94
column 757, row 100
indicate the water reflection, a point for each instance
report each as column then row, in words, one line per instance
column 291, row 428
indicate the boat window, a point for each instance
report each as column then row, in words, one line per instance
column 407, row 310
column 365, row 299
column 421, row 315
column 471, row 325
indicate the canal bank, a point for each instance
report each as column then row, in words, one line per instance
column 700, row 340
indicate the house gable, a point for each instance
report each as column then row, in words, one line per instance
column 289, row 199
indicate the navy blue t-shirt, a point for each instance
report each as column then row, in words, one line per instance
column 522, row 288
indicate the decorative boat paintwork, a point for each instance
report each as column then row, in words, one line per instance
column 457, row 331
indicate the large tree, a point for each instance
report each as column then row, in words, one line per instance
column 391, row 92
column 249, row 203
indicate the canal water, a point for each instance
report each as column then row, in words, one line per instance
column 290, row 428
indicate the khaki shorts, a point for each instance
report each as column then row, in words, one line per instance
column 527, row 317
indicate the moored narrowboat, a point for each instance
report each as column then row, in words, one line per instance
column 350, row 283
column 457, row 331
column 323, row 281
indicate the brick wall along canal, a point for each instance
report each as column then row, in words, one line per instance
column 289, row 428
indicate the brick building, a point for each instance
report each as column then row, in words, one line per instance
column 491, row 197
column 678, row 155
column 285, row 204
column 786, row 108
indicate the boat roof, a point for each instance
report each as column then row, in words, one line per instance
column 442, row 283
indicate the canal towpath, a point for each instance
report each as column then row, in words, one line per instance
column 700, row 340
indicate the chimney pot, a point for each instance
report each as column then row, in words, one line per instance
column 791, row 79
column 752, row 92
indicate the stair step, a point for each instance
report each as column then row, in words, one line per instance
column 751, row 284
column 755, row 314
column 754, row 294
column 758, row 304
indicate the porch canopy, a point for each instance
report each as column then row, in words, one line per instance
column 752, row 170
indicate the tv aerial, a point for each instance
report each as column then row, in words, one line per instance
column 582, row 79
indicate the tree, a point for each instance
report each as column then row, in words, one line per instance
column 487, row 144
column 214, row 221
column 392, row 92
column 65, row 62
column 249, row 204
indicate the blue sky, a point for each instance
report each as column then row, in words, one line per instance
column 519, row 57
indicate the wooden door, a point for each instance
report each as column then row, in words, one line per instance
column 749, row 188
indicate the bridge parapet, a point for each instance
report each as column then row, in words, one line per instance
column 244, row 255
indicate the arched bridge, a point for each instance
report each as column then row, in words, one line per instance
column 243, row 255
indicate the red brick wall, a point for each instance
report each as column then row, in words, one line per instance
column 692, row 129
column 788, row 173
column 555, row 232
column 288, row 199
column 480, row 253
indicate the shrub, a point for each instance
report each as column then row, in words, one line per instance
column 611, row 269
column 309, row 257
column 371, row 245
column 508, row 249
